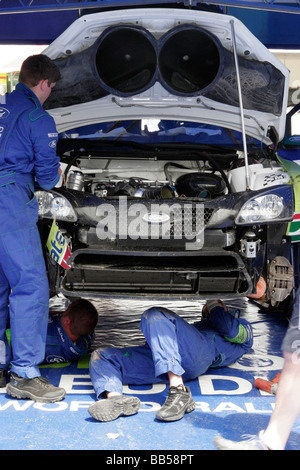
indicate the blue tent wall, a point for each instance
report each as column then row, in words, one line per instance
column 34, row 28
column 275, row 29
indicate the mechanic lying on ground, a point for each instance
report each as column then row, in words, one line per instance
column 69, row 333
column 175, row 351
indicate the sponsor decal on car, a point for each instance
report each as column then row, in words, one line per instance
column 58, row 247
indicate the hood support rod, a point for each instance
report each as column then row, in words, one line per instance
column 240, row 103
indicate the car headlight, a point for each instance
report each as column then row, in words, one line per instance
column 268, row 207
column 54, row 206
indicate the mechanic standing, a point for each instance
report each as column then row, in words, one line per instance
column 28, row 139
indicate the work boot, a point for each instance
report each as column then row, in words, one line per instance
column 2, row 378
column 111, row 408
column 37, row 389
column 178, row 402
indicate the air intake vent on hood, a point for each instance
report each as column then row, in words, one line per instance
column 187, row 61
column 126, row 59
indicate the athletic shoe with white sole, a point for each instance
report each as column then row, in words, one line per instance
column 109, row 409
column 250, row 443
column 37, row 389
column 178, row 402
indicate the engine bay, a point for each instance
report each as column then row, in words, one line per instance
column 179, row 203
column 158, row 179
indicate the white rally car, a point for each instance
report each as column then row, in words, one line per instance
column 177, row 182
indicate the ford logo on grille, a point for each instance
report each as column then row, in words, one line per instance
column 156, row 218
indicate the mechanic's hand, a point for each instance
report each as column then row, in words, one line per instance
column 210, row 304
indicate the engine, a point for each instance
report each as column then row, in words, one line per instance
column 168, row 180
column 203, row 185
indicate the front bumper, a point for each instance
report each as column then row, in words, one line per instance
column 181, row 275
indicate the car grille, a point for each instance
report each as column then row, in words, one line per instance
column 164, row 220
column 193, row 225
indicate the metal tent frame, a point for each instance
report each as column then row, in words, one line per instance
column 32, row 6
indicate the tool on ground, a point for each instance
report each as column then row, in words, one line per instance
column 269, row 386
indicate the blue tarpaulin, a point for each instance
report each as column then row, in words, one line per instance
column 227, row 402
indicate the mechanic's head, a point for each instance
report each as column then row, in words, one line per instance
column 80, row 319
column 36, row 68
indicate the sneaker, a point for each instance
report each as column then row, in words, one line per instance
column 178, row 402
column 111, row 408
column 37, row 389
column 2, row 378
column 250, row 443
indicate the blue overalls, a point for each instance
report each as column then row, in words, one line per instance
column 172, row 345
column 28, row 139
column 59, row 347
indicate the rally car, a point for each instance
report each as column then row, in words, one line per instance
column 176, row 179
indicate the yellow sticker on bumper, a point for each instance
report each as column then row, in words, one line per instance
column 57, row 246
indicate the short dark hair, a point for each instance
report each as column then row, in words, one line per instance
column 38, row 67
column 84, row 317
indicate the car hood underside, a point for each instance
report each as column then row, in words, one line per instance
column 175, row 64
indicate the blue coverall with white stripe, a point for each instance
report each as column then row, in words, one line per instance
column 28, row 139
column 59, row 347
column 172, row 344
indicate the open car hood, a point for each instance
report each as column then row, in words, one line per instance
column 175, row 64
